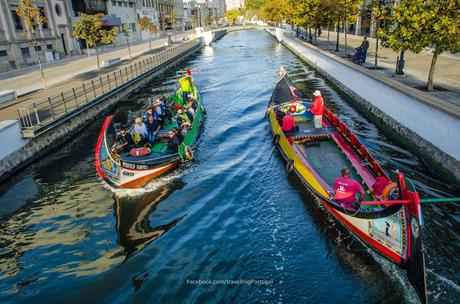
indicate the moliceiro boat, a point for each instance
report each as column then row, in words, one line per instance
column 137, row 166
column 390, row 220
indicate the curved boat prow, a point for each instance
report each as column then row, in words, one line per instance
column 416, row 271
column 107, row 166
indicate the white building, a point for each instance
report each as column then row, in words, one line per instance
column 53, row 38
column 126, row 11
column 231, row 4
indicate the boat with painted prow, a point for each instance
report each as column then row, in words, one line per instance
column 390, row 221
column 126, row 170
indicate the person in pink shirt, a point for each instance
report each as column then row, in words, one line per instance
column 346, row 188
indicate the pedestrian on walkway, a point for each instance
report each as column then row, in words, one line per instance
column 317, row 109
column 364, row 46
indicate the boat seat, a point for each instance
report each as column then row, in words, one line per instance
column 304, row 133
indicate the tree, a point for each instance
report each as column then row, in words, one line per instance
column 89, row 28
column 232, row 15
column 146, row 25
column 126, row 30
column 33, row 20
column 418, row 24
column 277, row 10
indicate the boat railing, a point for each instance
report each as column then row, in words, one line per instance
column 356, row 143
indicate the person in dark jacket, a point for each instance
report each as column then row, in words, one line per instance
column 123, row 142
column 153, row 126
column 174, row 142
column 364, row 46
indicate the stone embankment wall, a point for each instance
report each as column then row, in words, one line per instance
column 43, row 144
column 425, row 125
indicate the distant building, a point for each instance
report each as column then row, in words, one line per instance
column 126, row 11
column 53, row 40
column 231, row 4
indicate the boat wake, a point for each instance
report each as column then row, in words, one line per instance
column 152, row 186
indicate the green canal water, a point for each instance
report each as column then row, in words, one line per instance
column 233, row 214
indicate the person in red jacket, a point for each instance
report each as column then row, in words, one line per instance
column 288, row 124
column 317, row 109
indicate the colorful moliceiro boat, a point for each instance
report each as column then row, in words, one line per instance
column 392, row 228
column 127, row 171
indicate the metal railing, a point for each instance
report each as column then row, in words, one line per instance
column 46, row 111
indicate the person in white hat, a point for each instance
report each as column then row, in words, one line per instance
column 317, row 109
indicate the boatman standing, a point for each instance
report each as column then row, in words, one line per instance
column 345, row 189
column 186, row 85
column 317, row 109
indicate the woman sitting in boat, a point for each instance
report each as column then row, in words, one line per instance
column 190, row 111
column 181, row 116
column 153, row 127
column 184, row 128
column 123, row 142
column 288, row 125
column 158, row 112
column 139, row 132
column 346, row 189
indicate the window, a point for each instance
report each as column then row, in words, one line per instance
column 25, row 52
column 16, row 20
column 125, row 4
column 49, row 46
column 38, row 48
column 133, row 27
column 131, row 4
column 45, row 20
column 57, row 9
column 120, row 4
column 114, row 3
column 3, row 53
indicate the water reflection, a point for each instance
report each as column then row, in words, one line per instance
column 134, row 227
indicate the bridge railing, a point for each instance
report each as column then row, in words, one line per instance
column 44, row 112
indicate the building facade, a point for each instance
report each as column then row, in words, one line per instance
column 53, row 40
column 231, row 4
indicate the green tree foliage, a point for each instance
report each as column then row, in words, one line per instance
column 232, row 15
column 33, row 20
column 89, row 28
column 146, row 25
column 277, row 10
column 417, row 24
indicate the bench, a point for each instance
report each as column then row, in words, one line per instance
column 7, row 95
column 111, row 61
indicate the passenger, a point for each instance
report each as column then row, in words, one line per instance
column 178, row 133
column 153, row 127
column 190, row 112
column 157, row 115
column 288, row 124
column 346, row 189
column 123, row 142
column 174, row 142
column 186, row 83
column 139, row 131
column 185, row 127
column 147, row 114
column 279, row 115
column 317, row 109
column 181, row 116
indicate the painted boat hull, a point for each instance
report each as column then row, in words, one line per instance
column 395, row 232
column 133, row 172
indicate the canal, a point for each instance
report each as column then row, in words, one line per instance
column 232, row 214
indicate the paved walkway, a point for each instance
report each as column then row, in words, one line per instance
column 73, row 74
column 447, row 73
column 28, row 80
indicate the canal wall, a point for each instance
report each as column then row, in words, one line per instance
column 19, row 152
column 427, row 126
